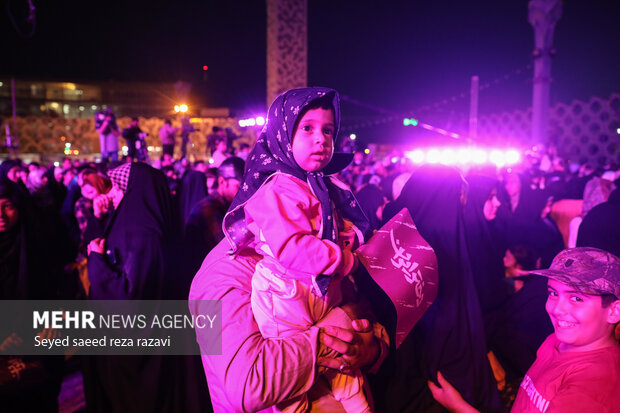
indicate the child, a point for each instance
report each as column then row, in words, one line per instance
column 301, row 222
column 577, row 368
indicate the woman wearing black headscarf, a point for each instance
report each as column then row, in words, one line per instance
column 450, row 335
column 136, row 260
column 27, row 272
column 371, row 199
column 193, row 188
column 486, row 245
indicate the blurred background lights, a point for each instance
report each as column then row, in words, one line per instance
column 416, row 156
column 497, row 157
column 366, row 151
column 410, row 122
column 182, row 108
column 447, row 157
column 432, row 156
column 464, row 156
column 257, row 121
column 353, row 136
column 512, row 157
column 479, row 156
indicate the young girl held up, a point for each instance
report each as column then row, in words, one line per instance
column 304, row 223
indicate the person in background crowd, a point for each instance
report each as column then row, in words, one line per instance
column 132, row 137
column 105, row 123
column 192, row 189
column 485, row 243
column 243, row 151
column 211, row 174
column 601, row 225
column 372, row 201
column 186, row 129
column 216, row 133
column 203, row 229
column 450, row 336
column 9, row 169
column 220, row 152
column 138, row 259
column 167, row 136
column 28, row 271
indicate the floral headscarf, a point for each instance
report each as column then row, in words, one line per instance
column 272, row 153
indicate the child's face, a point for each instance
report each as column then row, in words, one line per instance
column 579, row 320
column 313, row 142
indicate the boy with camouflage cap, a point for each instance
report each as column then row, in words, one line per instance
column 577, row 368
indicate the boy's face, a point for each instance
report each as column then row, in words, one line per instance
column 313, row 142
column 579, row 320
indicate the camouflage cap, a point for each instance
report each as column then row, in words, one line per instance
column 590, row 270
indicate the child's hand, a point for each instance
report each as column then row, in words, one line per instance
column 448, row 396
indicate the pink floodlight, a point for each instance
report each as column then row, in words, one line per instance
column 447, row 157
column 416, row 156
column 479, row 156
column 433, row 156
column 497, row 157
column 512, row 157
column 464, row 156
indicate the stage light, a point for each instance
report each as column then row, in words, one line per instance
column 205, row 68
column 464, row 156
column 512, row 157
column 432, row 156
column 367, row 151
column 416, row 156
column 447, row 157
column 260, row 121
column 479, row 156
column 497, row 157
column 353, row 136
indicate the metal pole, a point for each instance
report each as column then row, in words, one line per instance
column 543, row 15
column 473, row 108
column 13, row 148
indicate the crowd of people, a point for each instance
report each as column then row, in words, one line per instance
column 304, row 331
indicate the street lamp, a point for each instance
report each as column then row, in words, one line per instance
column 183, row 108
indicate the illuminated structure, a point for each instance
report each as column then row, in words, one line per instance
column 287, row 46
column 81, row 100
column 543, row 15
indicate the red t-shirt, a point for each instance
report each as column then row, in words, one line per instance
column 586, row 381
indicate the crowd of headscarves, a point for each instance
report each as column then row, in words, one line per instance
column 110, row 233
column 82, row 231
column 488, row 309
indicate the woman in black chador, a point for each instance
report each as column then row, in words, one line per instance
column 486, row 242
column 28, row 271
column 450, row 336
column 136, row 260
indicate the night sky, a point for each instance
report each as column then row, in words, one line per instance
column 396, row 55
